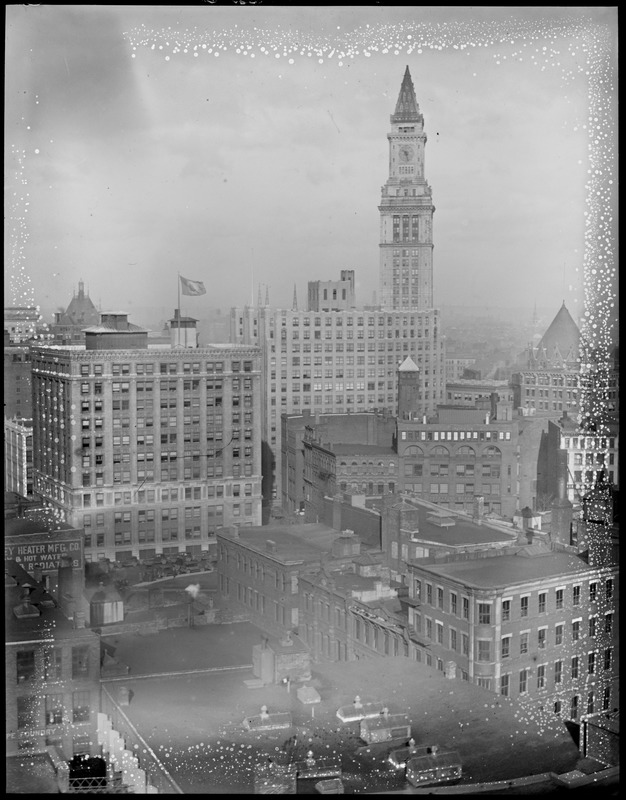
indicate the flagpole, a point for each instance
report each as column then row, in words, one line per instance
column 179, row 299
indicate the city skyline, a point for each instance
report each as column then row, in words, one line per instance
column 121, row 145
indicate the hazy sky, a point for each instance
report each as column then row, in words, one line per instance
column 247, row 145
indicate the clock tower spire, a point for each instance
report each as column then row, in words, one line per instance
column 406, row 211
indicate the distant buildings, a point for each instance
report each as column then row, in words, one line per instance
column 21, row 322
column 149, row 449
column 589, row 457
column 17, row 382
column 346, row 360
column 69, row 326
column 549, row 382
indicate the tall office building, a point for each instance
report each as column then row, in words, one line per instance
column 148, row 448
column 406, row 211
column 334, row 358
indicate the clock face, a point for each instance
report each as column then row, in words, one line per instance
column 406, row 153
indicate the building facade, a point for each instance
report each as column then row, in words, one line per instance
column 332, row 295
column 52, row 668
column 18, row 456
column 17, row 382
column 549, row 381
column 149, row 449
column 406, row 211
column 536, row 623
column 259, row 571
column 459, row 454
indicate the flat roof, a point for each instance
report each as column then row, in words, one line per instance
column 505, row 570
column 294, row 543
column 464, row 530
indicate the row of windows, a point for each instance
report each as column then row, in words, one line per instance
column 29, row 709
column 167, row 368
column 28, row 668
column 485, row 611
column 484, row 647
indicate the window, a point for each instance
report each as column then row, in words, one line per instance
column 573, row 711
column 439, row 597
column 575, row 667
column 524, row 606
column 465, row 644
column 453, row 603
column 484, row 650
column 453, row 639
column 541, row 676
column 591, row 663
column 559, row 598
column 576, row 595
column 523, row 642
column 593, row 592
column 506, row 610
column 558, row 671
column 80, row 706
column 25, row 662
column 54, row 709
column 484, row 614
column 558, row 634
column 429, row 594
column 439, row 627
column 466, row 608
column 80, row 661
column 608, row 586
column 608, row 658
column 505, row 685
column 523, row 681
column 541, row 638
column 505, row 647
column 608, row 622
column 27, row 708
column 542, row 603
column 52, row 663
column 592, row 627
column 576, row 630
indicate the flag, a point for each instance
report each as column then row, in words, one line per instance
column 191, row 287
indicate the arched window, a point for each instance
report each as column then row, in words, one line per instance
column 392, row 466
column 355, row 468
column 466, row 451
column 413, row 452
column 440, row 451
column 492, row 451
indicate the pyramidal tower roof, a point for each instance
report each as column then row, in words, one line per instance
column 407, row 109
column 408, row 365
column 562, row 336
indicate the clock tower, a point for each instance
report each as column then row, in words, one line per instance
column 406, row 212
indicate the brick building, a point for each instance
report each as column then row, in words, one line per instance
column 537, row 622
column 149, row 449
column 350, row 611
column 458, row 454
column 17, row 382
column 259, row 570
column 52, row 665
column 549, row 381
